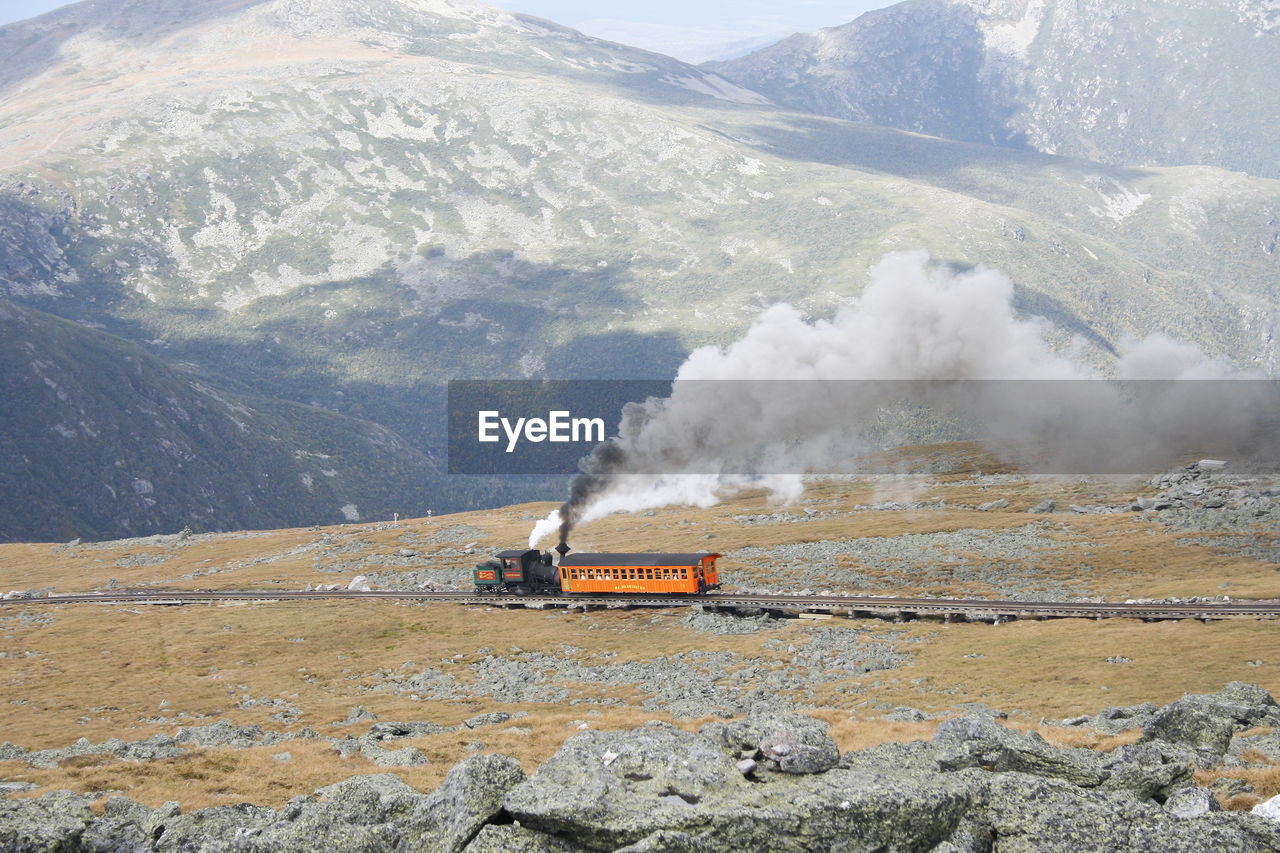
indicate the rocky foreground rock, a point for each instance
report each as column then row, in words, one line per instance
column 768, row 781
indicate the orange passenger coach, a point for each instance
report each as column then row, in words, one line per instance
column 690, row 574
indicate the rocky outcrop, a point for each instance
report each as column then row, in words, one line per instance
column 787, row 742
column 1205, row 724
column 770, row 780
column 659, row 785
column 1113, row 721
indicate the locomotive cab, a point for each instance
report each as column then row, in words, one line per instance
column 528, row 571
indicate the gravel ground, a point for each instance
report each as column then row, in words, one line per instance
column 1009, row 562
column 688, row 685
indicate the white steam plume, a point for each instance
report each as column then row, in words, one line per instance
column 914, row 321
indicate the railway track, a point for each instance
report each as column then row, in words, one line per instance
column 973, row 610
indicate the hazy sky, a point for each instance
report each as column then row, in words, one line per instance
column 694, row 31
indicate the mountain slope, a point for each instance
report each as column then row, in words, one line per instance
column 99, row 438
column 345, row 204
column 1174, row 82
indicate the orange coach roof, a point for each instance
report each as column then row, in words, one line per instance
column 642, row 559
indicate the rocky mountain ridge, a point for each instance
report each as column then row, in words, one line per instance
column 1116, row 82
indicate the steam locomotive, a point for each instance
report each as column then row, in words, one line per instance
column 531, row 572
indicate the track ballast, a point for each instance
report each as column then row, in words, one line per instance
column 974, row 610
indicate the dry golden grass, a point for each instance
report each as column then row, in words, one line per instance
column 1265, row 780
column 104, row 671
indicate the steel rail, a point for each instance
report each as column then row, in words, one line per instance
column 848, row 605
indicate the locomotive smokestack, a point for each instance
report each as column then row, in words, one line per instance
column 562, row 549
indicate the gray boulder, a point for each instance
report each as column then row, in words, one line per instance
column 151, row 749
column 223, row 733
column 306, row 824
column 492, row 719
column 1245, row 704
column 51, row 822
column 1113, row 721
column 1267, row 746
column 393, row 730
column 371, row 799
column 1205, row 735
column 917, row 755
column 608, row 790
column 787, row 742
column 214, row 828
column 470, row 796
column 906, row 714
column 1228, row 787
column 975, row 741
column 506, row 838
column 1032, row 814
column 357, row 714
column 1269, row 810
column 1192, row 802
column 1148, row 771
column 409, row 756
column 125, row 827
column 11, row 752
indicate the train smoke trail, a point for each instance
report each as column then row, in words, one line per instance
column 914, row 321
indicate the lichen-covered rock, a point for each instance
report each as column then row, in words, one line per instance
column 975, row 741
column 306, row 825
column 1033, row 814
column 395, row 730
column 11, row 752
column 1192, row 802
column 222, row 733
column 1116, row 720
column 409, row 756
column 125, row 827
column 666, row 841
column 608, row 790
column 370, row 799
column 51, row 822
column 492, row 719
column 506, row 838
column 1246, row 704
column 1184, row 723
column 1148, row 771
column 470, row 796
column 214, row 828
column 920, row 755
column 790, row 743
column 1265, row 745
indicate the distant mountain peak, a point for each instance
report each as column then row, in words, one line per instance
column 1166, row 82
